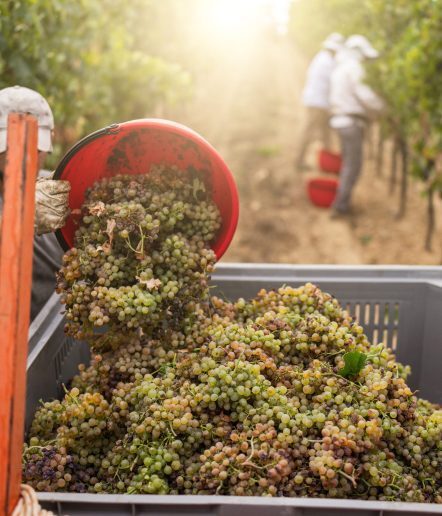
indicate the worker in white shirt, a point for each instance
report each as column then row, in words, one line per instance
column 316, row 97
column 352, row 103
column 51, row 196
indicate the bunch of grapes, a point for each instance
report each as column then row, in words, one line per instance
column 142, row 255
column 51, row 468
column 279, row 395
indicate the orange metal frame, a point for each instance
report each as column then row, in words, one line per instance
column 16, row 246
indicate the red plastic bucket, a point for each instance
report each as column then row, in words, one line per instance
column 131, row 148
column 329, row 162
column 322, row 192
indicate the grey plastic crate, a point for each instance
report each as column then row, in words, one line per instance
column 173, row 505
column 401, row 306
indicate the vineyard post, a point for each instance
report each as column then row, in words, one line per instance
column 430, row 219
column 403, row 149
column 371, row 132
column 394, row 166
column 380, row 152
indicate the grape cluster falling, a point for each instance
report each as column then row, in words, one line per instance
column 187, row 393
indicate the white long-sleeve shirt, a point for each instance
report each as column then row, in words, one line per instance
column 348, row 93
column 47, row 260
column 317, row 87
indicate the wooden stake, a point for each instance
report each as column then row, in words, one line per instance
column 431, row 219
column 380, row 153
column 16, row 248
column 403, row 149
column 394, row 166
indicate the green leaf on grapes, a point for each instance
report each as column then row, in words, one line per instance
column 354, row 362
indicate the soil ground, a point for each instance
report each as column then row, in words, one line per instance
column 248, row 106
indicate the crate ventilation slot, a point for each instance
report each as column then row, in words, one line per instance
column 62, row 353
column 380, row 320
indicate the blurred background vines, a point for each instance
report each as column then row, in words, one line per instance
column 234, row 71
column 85, row 57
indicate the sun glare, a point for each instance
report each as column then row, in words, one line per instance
column 241, row 19
column 231, row 16
column 281, row 15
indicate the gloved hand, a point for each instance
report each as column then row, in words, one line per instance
column 51, row 204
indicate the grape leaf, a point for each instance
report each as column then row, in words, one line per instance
column 354, row 362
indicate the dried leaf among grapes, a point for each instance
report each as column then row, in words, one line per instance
column 97, row 209
column 110, row 230
column 151, row 284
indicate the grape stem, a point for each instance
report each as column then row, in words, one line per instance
column 41, row 447
column 252, row 452
column 348, row 477
column 127, row 240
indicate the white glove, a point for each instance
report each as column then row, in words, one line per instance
column 51, row 205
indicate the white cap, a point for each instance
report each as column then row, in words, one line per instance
column 18, row 99
column 333, row 42
column 362, row 44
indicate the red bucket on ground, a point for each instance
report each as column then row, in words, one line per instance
column 131, row 148
column 329, row 162
column 322, row 192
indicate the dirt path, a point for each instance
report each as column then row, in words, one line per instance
column 249, row 108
